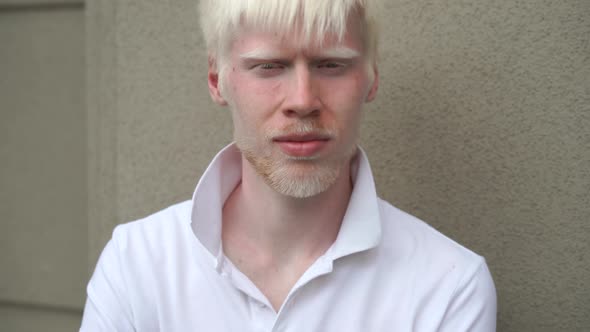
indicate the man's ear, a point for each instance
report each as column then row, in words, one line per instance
column 374, row 86
column 213, row 81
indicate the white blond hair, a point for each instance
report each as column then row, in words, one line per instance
column 222, row 19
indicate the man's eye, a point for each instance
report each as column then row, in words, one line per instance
column 331, row 67
column 269, row 66
column 268, row 69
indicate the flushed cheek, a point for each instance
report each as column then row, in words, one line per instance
column 353, row 89
column 346, row 103
column 255, row 95
column 345, row 107
column 268, row 89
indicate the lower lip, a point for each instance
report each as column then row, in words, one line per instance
column 302, row 149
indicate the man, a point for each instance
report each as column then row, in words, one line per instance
column 285, row 231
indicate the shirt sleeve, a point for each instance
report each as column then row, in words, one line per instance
column 107, row 307
column 473, row 306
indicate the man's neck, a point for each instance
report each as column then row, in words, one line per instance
column 266, row 232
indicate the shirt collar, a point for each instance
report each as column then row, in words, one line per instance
column 361, row 226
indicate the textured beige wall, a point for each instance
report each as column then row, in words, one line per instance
column 153, row 128
column 43, row 215
column 38, row 319
column 480, row 128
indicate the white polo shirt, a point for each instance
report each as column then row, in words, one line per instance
column 386, row 271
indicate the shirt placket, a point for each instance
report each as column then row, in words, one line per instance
column 263, row 316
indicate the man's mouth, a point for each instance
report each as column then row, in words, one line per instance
column 302, row 145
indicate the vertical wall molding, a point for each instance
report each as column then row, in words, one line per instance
column 101, row 48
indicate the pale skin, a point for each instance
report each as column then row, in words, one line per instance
column 272, row 83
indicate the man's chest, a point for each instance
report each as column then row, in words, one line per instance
column 337, row 301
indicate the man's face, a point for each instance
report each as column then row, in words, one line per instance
column 296, row 108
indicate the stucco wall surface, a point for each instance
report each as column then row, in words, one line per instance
column 43, row 214
column 479, row 128
column 482, row 130
column 43, row 226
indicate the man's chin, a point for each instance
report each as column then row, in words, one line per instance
column 302, row 181
column 294, row 176
column 300, row 190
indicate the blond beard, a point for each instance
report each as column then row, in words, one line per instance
column 296, row 177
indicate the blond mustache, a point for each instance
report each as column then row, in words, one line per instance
column 301, row 129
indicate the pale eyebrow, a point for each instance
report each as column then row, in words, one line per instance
column 259, row 54
column 338, row 53
column 334, row 52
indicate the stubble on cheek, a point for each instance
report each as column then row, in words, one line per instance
column 262, row 166
column 256, row 153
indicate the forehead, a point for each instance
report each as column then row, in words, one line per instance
column 254, row 41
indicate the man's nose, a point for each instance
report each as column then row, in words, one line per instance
column 303, row 98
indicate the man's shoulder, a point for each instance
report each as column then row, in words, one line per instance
column 156, row 229
column 436, row 272
column 413, row 238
